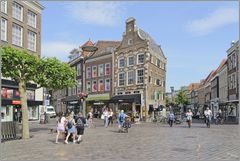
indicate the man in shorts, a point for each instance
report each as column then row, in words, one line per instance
column 80, row 122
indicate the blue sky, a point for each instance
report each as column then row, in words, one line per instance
column 193, row 35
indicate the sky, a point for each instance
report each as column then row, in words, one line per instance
column 194, row 36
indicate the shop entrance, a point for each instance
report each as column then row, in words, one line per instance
column 127, row 107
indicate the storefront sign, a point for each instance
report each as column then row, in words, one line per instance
column 16, row 102
column 96, row 97
column 8, row 93
column 73, row 102
column 46, row 102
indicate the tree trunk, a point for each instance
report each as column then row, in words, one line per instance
column 23, row 98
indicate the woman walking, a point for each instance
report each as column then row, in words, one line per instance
column 189, row 115
column 71, row 128
column 60, row 126
column 105, row 115
column 90, row 119
column 110, row 117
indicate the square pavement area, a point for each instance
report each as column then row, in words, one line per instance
column 153, row 141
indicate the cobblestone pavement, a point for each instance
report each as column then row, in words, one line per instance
column 144, row 141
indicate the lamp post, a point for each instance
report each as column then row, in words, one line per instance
column 92, row 49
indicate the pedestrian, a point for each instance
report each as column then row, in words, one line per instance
column 198, row 115
column 219, row 118
column 105, row 115
column 110, row 117
column 60, row 125
column 121, row 120
column 80, row 122
column 171, row 118
column 90, row 119
column 137, row 117
column 189, row 115
column 208, row 116
column 70, row 128
column 45, row 117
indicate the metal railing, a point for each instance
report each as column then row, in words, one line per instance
column 9, row 131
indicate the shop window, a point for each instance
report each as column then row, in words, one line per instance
column 107, row 85
column 107, row 69
column 94, row 71
column 94, row 86
column 100, row 85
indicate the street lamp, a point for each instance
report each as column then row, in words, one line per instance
column 88, row 47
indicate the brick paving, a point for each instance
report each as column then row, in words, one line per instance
column 152, row 141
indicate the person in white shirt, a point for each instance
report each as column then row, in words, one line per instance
column 189, row 115
column 208, row 113
column 110, row 117
column 90, row 119
column 105, row 115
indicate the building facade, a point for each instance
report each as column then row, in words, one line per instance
column 98, row 76
column 139, row 72
column 233, row 85
column 215, row 92
column 73, row 98
column 21, row 29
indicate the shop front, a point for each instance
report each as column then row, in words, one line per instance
column 11, row 104
column 97, row 102
column 73, row 103
column 11, row 110
column 230, row 111
column 131, row 104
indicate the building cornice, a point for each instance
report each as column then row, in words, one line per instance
column 34, row 5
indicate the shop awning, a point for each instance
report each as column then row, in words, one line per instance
column 128, row 98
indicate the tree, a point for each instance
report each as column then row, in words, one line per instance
column 181, row 98
column 23, row 68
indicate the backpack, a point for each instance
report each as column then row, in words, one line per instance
column 69, row 124
column 79, row 123
column 121, row 118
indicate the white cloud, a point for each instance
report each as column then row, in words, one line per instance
column 59, row 49
column 217, row 19
column 97, row 13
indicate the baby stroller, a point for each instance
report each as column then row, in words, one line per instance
column 126, row 125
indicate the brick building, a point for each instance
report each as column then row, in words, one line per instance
column 139, row 72
column 98, row 80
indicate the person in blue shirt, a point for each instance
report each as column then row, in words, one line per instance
column 121, row 119
column 171, row 118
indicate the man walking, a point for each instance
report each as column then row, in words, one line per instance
column 80, row 122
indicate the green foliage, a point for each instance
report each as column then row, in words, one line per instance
column 181, row 98
column 18, row 64
column 54, row 74
column 46, row 72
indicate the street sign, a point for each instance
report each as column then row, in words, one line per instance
column 47, row 102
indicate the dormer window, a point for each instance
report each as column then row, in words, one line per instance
column 130, row 41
